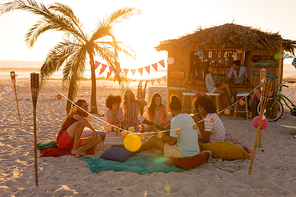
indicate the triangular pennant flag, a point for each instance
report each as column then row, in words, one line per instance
column 154, row 66
column 101, row 71
column 118, row 70
column 125, row 71
column 164, row 78
column 97, row 64
column 108, row 75
column 91, row 62
column 161, row 62
column 104, row 66
column 152, row 82
column 133, row 71
column 147, row 68
column 158, row 80
column 111, row 69
column 114, row 78
column 140, row 71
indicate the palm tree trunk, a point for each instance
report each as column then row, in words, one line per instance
column 94, row 108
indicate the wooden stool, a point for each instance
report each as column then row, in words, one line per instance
column 191, row 95
column 216, row 95
column 236, row 110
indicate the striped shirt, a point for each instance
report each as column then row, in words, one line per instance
column 216, row 128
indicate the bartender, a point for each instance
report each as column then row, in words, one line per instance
column 240, row 73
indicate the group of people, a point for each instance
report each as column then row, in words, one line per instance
column 172, row 145
column 177, row 145
column 237, row 71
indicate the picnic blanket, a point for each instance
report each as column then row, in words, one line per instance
column 141, row 164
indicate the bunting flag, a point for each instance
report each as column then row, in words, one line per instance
column 154, row 66
column 133, row 71
column 147, row 68
column 111, row 69
column 158, row 80
column 97, row 64
column 152, row 82
column 118, row 70
column 140, row 71
column 125, row 71
column 161, row 62
column 91, row 62
column 164, row 78
column 104, row 66
column 108, row 75
column 114, row 78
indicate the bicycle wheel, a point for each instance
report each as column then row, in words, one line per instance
column 274, row 113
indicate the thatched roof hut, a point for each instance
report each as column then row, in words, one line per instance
column 228, row 36
column 220, row 46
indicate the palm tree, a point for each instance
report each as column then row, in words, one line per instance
column 72, row 51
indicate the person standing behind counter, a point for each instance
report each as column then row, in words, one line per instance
column 239, row 72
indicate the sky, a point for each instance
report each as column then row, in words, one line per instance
column 160, row 20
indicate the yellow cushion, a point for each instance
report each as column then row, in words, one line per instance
column 226, row 150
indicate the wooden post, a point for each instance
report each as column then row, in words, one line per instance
column 264, row 99
column 34, row 91
column 12, row 75
column 262, row 74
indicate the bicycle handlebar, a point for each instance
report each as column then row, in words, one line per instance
column 283, row 84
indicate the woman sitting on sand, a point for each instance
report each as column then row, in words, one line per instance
column 69, row 137
column 157, row 112
column 212, row 87
column 131, row 109
column 114, row 114
column 211, row 131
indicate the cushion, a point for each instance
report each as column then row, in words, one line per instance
column 117, row 154
column 226, row 150
column 188, row 162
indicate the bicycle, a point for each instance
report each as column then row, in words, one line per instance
column 274, row 108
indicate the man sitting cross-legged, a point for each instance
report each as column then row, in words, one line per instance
column 177, row 146
column 69, row 137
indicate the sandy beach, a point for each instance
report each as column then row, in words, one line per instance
column 273, row 174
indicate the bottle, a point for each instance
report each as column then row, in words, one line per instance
column 247, row 82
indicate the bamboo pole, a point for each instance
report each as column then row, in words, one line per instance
column 34, row 91
column 12, row 76
column 264, row 98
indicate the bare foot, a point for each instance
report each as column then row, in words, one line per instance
column 78, row 153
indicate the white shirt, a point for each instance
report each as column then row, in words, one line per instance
column 243, row 73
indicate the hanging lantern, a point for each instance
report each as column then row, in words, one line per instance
column 241, row 102
column 159, row 135
column 227, row 112
column 89, row 118
column 199, row 52
column 107, row 127
column 123, row 134
column 59, row 96
column 143, row 137
column 278, row 56
column 194, row 127
column 211, row 120
column 178, row 132
column 256, row 91
column 132, row 142
column 171, row 60
column 264, row 122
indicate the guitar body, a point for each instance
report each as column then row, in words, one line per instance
column 157, row 126
column 256, row 58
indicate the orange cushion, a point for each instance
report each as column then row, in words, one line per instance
column 188, row 162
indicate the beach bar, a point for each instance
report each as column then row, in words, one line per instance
column 219, row 46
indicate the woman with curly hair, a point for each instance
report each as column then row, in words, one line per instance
column 114, row 114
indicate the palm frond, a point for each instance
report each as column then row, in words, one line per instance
column 121, row 15
column 56, row 57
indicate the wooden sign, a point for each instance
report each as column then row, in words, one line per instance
column 265, row 65
column 178, row 75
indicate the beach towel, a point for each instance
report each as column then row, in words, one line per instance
column 57, row 152
column 43, row 145
column 141, row 164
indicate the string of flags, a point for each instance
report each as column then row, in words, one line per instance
column 103, row 68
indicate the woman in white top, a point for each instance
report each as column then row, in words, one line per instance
column 212, row 131
column 211, row 85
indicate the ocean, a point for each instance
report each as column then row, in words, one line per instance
column 24, row 68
